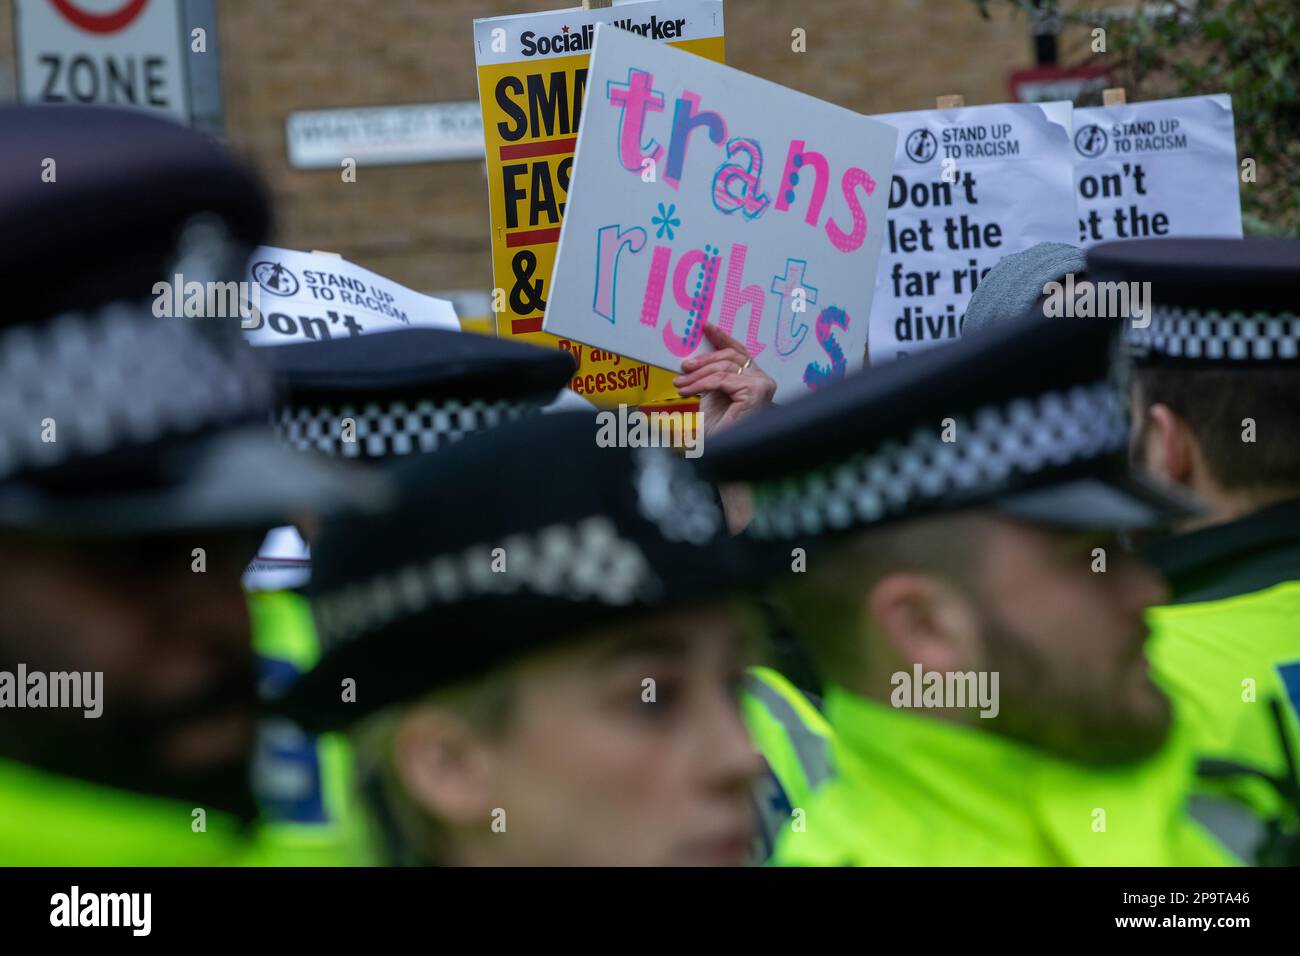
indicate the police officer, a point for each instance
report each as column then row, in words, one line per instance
column 136, row 475
column 1216, row 411
column 545, row 675
column 376, row 399
column 979, row 627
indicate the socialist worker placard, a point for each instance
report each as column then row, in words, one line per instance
column 532, row 78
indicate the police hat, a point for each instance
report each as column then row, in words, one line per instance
column 408, row 390
column 1024, row 418
column 113, row 420
column 97, row 202
column 1216, row 303
column 526, row 536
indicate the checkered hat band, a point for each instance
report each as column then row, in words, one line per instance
column 586, row 561
column 86, row 383
column 1218, row 336
column 388, row 430
column 987, row 449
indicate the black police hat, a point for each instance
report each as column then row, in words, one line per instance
column 1221, row 303
column 419, row 598
column 113, row 420
column 1035, row 423
column 408, row 390
column 97, row 202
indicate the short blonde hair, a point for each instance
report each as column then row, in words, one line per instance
column 404, row 832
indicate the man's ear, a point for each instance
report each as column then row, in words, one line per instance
column 1169, row 450
column 444, row 765
column 926, row 621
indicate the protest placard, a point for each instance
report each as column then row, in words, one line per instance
column 675, row 221
column 304, row 296
column 532, row 75
column 282, row 561
column 1157, row 169
column 970, row 186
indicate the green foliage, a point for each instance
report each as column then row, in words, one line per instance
column 1249, row 49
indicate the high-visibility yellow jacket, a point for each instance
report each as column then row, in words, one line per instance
column 794, row 739
column 48, row 819
column 1229, row 644
column 912, row 790
column 303, row 782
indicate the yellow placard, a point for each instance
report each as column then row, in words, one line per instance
column 532, row 103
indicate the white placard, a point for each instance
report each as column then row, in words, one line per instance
column 385, row 135
column 970, row 185
column 702, row 194
column 1157, row 169
column 283, row 562
column 304, row 297
column 117, row 52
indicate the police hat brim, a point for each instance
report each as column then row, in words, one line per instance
column 1118, row 501
column 242, row 478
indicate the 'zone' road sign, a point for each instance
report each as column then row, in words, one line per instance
column 116, row 52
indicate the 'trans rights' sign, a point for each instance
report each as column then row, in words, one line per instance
column 675, row 221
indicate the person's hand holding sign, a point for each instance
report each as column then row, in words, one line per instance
column 728, row 382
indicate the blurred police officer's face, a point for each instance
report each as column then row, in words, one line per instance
column 1066, row 634
column 978, row 592
column 172, row 643
column 626, row 748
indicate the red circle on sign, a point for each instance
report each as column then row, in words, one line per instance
column 100, row 22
